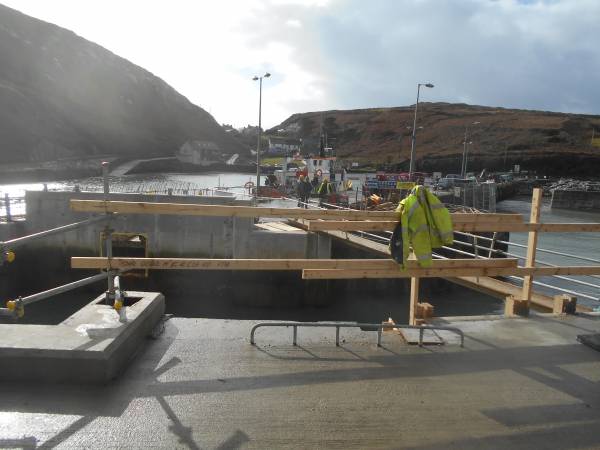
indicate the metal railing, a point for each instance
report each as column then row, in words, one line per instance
column 337, row 325
column 16, row 308
column 490, row 250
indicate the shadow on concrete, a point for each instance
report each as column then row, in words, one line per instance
column 141, row 380
column 235, row 441
column 569, row 436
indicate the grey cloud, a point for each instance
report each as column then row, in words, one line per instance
column 533, row 55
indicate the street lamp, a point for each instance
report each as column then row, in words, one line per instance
column 406, row 133
column 463, row 170
column 414, row 131
column 259, row 79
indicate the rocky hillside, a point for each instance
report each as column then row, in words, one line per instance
column 62, row 96
column 550, row 143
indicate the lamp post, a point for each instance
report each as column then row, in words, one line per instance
column 414, row 131
column 259, row 79
column 463, row 170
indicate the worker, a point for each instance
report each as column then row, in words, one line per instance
column 324, row 190
column 315, row 181
column 303, row 190
column 425, row 224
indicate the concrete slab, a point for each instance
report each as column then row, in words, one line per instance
column 91, row 346
column 518, row 384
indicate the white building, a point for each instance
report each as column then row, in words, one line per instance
column 284, row 146
column 202, row 153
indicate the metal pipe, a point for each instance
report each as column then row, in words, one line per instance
column 378, row 326
column 337, row 336
column 460, row 251
column 13, row 243
column 552, row 252
column 61, row 289
column 556, row 288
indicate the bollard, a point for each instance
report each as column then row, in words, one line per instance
column 105, row 167
column 7, row 208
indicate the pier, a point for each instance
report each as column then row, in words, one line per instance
column 520, row 378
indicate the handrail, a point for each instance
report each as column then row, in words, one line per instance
column 338, row 325
column 64, row 288
column 13, row 243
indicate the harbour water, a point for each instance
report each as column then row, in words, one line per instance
column 583, row 245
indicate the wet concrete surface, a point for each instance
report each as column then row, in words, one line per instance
column 518, row 383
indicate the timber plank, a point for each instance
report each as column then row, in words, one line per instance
column 433, row 272
column 101, row 206
column 275, row 264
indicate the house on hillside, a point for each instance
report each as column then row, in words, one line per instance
column 283, row 145
column 201, row 153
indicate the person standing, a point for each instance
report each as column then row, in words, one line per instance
column 304, row 189
column 324, row 190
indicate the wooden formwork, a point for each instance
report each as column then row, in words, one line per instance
column 338, row 223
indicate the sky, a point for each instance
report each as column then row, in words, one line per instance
column 347, row 54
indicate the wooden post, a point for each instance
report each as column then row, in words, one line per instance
column 536, row 209
column 414, row 300
column 515, row 307
column 564, row 304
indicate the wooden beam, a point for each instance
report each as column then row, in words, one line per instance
column 359, row 220
column 488, row 285
column 191, row 209
column 565, row 227
column 536, row 209
column 276, row 264
column 498, row 225
column 414, row 300
column 458, row 219
column 325, row 274
column 500, row 289
column 516, row 307
column 564, row 304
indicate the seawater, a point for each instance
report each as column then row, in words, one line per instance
column 586, row 245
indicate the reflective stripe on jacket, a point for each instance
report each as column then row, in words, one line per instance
column 426, row 224
column 324, row 188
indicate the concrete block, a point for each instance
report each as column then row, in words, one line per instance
column 91, row 346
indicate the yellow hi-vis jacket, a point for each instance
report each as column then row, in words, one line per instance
column 426, row 224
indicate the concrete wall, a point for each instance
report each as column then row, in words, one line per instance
column 580, row 200
column 176, row 236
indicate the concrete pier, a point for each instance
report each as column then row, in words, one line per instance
column 92, row 346
column 518, row 383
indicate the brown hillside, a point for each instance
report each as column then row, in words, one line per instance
column 544, row 141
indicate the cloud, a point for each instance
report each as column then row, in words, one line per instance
column 338, row 54
column 534, row 55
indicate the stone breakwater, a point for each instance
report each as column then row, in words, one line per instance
column 576, row 199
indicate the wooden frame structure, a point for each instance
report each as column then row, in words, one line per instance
column 342, row 221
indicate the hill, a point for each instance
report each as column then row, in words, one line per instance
column 547, row 142
column 62, row 96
